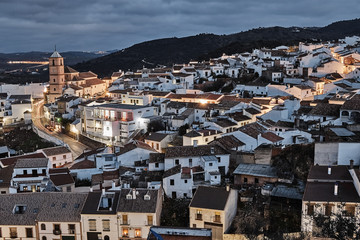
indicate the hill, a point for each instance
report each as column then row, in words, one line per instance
column 180, row 50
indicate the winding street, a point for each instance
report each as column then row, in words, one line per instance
column 77, row 148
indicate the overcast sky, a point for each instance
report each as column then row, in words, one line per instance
column 29, row 25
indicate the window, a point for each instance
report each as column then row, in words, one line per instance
column 125, row 232
column 190, row 162
column 194, row 225
column 328, row 210
column 256, row 180
column 157, row 146
column 156, row 165
column 150, row 220
column 43, row 226
column 92, row 224
column 24, row 172
column 68, row 189
column 185, row 181
column 43, row 238
column 217, row 217
column 64, row 156
column 29, row 232
column 210, row 164
column 198, row 215
column 106, row 225
column 172, row 182
column 71, row 228
column 245, row 180
column 350, row 210
column 0, row 233
column 44, row 171
column 176, row 161
column 54, row 158
column 219, row 159
column 13, row 232
column 185, row 195
column 125, row 219
column 310, row 209
column 20, row 209
column 137, row 232
column 106, row 237
column 206, row 139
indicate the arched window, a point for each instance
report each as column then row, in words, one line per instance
column 53, row 62
column 345, row 113
column 43, row 227
column 43, row 238
column 106, row 237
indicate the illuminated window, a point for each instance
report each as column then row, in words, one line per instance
column 137, row 232
column 125, row 232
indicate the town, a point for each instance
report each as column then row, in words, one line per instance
column 253, row 145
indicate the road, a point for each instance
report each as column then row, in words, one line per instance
column 76, row 147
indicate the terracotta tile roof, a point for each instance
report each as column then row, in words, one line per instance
column 87, row 75
column 133, row 145
column 68, row 69
column 352, row 104
column 62, row 179
column 157, row 137
column 188, row 151
column 228, row 142
column 210, row 198
column 272, row 137
column 6, row 176
column 252, row 129
column 326, row 109
column 84, row 164
column 55, row 151
column 156, row 157
column 12, row 160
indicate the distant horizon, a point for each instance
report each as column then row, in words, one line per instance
column 37, row 25
column 119, row 49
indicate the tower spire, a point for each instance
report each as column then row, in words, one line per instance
column 55, row 47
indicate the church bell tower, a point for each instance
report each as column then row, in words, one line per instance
column 57, row 76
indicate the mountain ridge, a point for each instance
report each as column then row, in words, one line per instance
column 167, row 51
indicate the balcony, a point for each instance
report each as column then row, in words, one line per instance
column 56, row 231
column 13, row 235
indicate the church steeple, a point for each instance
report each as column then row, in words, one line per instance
column 57, row 76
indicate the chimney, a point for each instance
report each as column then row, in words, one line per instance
column 336, row 189
column 351, row 164
column 329, row 170
column 134, row 193
column 227, row 187
column 91, row 189
column 113, row 185
column 212, row 150
column 103, row 191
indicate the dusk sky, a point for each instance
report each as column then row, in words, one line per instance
column 87, row 25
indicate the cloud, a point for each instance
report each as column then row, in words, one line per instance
column 110, row 24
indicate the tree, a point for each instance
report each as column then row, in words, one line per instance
column 182, row 129
column 341, row 225
column 156, row 125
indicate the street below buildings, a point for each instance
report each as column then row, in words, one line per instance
column 76, row 147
